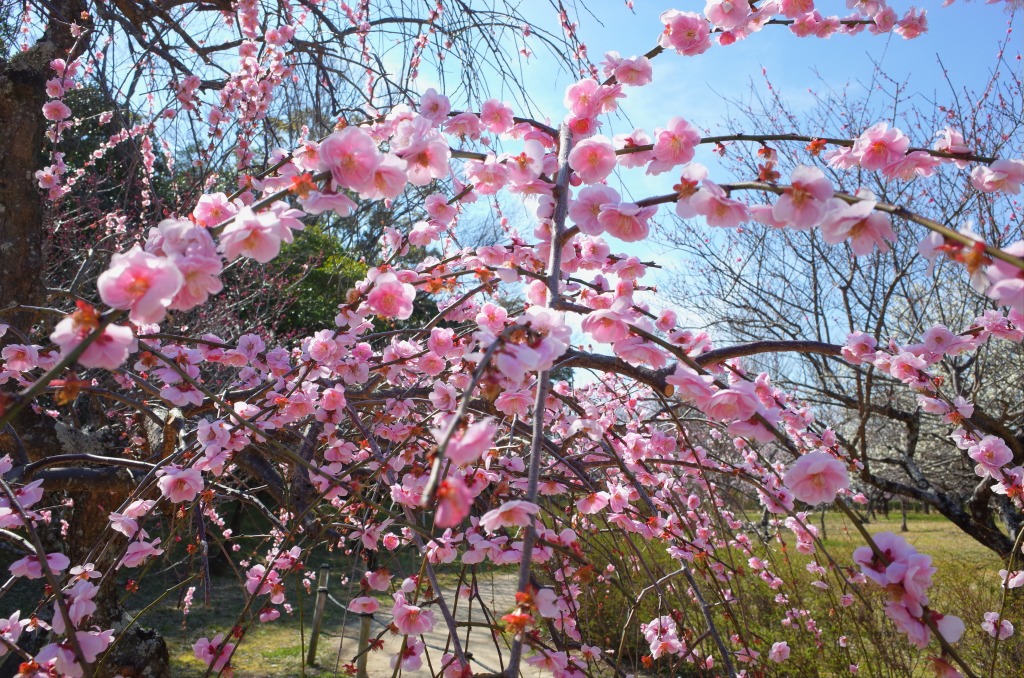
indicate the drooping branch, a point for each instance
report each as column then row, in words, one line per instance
column 894, row 210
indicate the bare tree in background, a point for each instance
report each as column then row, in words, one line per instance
column 757, row 283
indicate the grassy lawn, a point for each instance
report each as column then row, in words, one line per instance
column 948, row 545
column 272, row 649
column 966, row 583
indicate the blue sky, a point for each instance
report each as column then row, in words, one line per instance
column 966, row 37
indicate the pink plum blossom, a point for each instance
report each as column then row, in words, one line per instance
column 634, row 71
column 586, row 99
column 465, row 125
column 496, row 116
column 1005, row 628
column 992, row 454
column 859, row 346
column 607, row 325
column 516, row 513
column 139, row 552
column 180, row 484
column 631, row 141
column 492, row 317
column 879, row 146
column 471, row 444
column 952, row 141
column 56, row 110
column 109, row 350
column 424, row 150
column 626, row 221
column 779, row 652
column 378, row 580
column 10, row 629
column 857, row 223
column 712, row 202
column 1005, row 175
column 695, row 387
column 141, row 283
column 917, row 631
column 391, row 174
column 488, row 177
column 316, row 202
column 527, row 165
column 214, row 653
column 411, row 657
column 911, row 166
column 514, row 403
column 434, row 107
column 727, row 14
column 351, row 156
column 673, row 145
column 411, row 620
column 453, row 502
column 593, row 159
column 803, row 204
column 212, row 209
column 730, row 404
column 893, row 548
column 1011, row 580
column 257, row 236
column 200, row 280
column 260, row 582
column 586, row 208
column 685, row 32
column 907, row 367
column 63, row 657
column 816, row 478
column 31, row 568
column 363, row 605
column 391, row 298
column 913, row 24
column 1007, row 280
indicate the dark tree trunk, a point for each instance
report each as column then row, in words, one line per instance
column 974, row 514
column 22, row 133
column 140, row 652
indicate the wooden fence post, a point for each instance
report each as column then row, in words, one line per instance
column 364, row 645
column 318, row 613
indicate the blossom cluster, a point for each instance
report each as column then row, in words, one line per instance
column 435, row 420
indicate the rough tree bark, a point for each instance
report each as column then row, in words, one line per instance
column 22, row 132
column 143, row 652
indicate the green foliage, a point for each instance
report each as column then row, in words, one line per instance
column 325, row 272
column 116, row 180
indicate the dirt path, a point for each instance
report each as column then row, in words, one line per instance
column 496, row 592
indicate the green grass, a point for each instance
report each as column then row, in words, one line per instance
column 956, row 555
column 933, row 534
column 277, row 648
column 966, row 583
column 273, row 649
